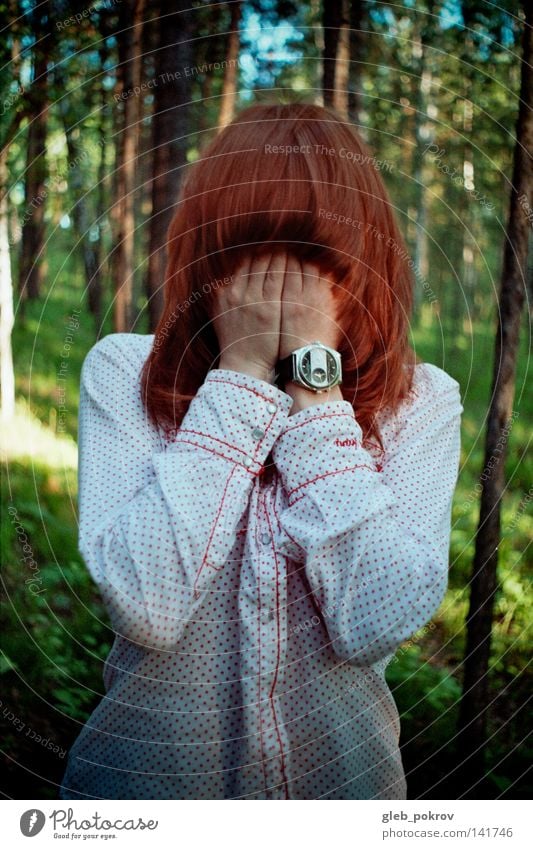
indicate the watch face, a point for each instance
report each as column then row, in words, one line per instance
column 318, row 367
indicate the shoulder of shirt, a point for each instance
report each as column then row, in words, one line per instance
column 432, row 388
column 429, row 378
column 127, row 351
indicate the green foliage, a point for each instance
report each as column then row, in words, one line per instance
column 56, row 627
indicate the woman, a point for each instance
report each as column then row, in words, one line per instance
column 265, row 533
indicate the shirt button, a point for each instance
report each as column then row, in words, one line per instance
column 271, row 408
column 266, row 538
column 247, row 461
column 257, row 433
column 267, row 616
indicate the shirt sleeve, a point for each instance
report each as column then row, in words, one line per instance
column 375, row 542
column 158, row 521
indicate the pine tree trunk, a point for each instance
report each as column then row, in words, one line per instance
column 231, row 71
column 170, row 125
column 355, row 100
column 424, row 134
column 129, row 70
column 82, row 219
column 7, row 374
column 474, row 704
column 331, row 23
column 341, row 94
column 32, row 264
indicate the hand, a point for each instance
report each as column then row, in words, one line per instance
column 247, row 316
column 308, row 313
column 308, row 308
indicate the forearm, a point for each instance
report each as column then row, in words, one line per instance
column 158, row 523
column 374, row 542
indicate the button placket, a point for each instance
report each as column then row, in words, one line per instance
column 272, row 619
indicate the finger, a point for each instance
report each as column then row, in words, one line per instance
column 258, row 270
column 241, row 277
column 292, row 285
column 274, row 277
column 311, row 282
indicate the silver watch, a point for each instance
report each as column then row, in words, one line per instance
column 315, row 366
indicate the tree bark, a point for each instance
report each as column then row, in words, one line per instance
column 32, row 264
column 331, row 22
column 341, row 96
column 231, row 71
column 357, row 39
column 170, row 124
column 424, row 135
column 474, row 702
column 7, row 374
column 130, row 27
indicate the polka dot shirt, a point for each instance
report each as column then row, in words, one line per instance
column 260, row 570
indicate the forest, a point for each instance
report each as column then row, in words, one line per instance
column 102, row 108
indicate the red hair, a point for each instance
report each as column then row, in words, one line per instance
column 299, row 176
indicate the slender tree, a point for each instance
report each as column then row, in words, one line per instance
column 231, row 70
column 424, row 129
column 32, row 263
column 15, row 109
column 474, row 702
column 7, row 374
column 170, row 126
column 336, row 57
column 129, row 37
column 357, row 44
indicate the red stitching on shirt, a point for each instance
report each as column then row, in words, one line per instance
column 208, row 436
column 281, row 526
column 202, row 564
column 262, row 440
column 278, row 656
column 347, row 441
column 326, row 474
column 314, row 418
column 240, row 386
column 259, row 708
column 212, row 451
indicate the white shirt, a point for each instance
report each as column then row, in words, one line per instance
column 255, row 611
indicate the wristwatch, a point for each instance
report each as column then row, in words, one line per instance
column 315, row 366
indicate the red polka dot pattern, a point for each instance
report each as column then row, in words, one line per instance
column 255, row 607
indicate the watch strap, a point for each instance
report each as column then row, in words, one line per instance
column 285, row 369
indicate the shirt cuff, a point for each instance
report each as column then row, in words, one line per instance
column 236, row 416
column 319, row 441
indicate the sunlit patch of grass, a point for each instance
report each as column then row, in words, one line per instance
column 24, row 436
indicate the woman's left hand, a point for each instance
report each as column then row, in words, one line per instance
column 308, row 308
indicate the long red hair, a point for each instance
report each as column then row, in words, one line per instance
column 299, row 176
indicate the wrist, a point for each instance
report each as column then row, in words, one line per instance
column 303, row 397
column 247, row 367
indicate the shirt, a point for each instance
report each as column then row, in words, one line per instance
column 255, row 609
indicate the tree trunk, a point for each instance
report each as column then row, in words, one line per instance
column 355, row 100
column 129, row 70
column 341, row 94
column 83, row 220
column 331, row 24
column 7, row 374
column 231, row 71
column 424, row 135
column 169, row 133
column 474, row 703
column 32, row 265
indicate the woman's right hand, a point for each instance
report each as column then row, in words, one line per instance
column 247, row 316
